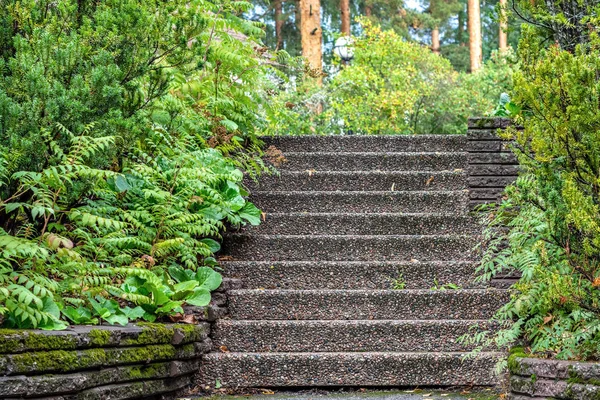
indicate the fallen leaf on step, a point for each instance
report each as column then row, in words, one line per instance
column 266, row 391
column 393, row 185
column 224, row 349
column 264, row 216
column 311, row 171
column 189, row 319
column 414, row 260
column 429, row 181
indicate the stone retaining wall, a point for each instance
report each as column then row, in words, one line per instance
column 533, row 378
column 492, row 166
column 148, row 361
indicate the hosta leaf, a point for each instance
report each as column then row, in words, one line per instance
column 200, row 297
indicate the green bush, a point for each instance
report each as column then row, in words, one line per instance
column 392, row 87
column 553, row 210
column 124, row 129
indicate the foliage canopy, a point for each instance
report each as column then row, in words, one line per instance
column 124, row 130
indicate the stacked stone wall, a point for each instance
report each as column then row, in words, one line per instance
column 492, row 166
column 533, row 378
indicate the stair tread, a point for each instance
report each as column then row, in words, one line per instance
column 353, row 353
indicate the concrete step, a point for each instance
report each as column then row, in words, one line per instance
column 335, row 161
column 344, row 336
column 359, row 143
column 233, row 370
column 351, row 274
column 362, row 202
column 365, row 304
column 348, row 247
column 366, row 224
column 361, row 181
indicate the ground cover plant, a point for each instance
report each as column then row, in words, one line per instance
column 125, row 128
column 392, row 86
column 549, row 217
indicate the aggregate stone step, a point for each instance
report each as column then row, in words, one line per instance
column 366, row 224
column 345, row 336
column 375, row 143
column 361, row 202
column 361, row 181
column 243, row 246
column 365, row 304
column 348, row 369
column 365, row 161
column 351, row 274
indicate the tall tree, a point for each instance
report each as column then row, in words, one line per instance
column 474, row 25
column 277, row 4
column 311, row 32
column 502, row 32
column 345, row 17
column 435, row 40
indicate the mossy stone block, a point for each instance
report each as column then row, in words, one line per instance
column 46, row 385
column 76, row 360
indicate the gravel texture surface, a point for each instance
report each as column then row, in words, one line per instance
column 344, row 336
column 323, row 161
column 349, row 247
column 351, row 274
column 362, row 201
column 366, row 224
column 361, row 180
column 365, row 304
column 348, row 369
column 358, row 143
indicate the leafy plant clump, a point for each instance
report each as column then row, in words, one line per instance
column 125, row 128
column 550, row 217
column 392, row 86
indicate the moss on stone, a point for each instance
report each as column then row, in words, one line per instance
column 513, row 364
column 99, row 337
column 161, row 334
column 58, row 360
column 40, row 341
column 64, row 361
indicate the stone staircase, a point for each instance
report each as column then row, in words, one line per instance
column 342, row 281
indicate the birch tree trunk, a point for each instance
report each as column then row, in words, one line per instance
column 345, row 15
column 474, row 25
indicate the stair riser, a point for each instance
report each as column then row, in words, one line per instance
column 374, row 161
column 349, row 275
column 361, row 202
column 372, row 224
column 348, row 248
column 343, row 336
column 355, row 304
column 361, row 181
column 400, row 143
column 356, row 370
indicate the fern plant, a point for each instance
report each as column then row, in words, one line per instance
column 125, row 131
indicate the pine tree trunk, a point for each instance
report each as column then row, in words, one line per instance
column 278, row 22
column 502, row 32
column 310, row 22
column 474, row 25
column 345, row 16
column 460, row 31
column 435, row 40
